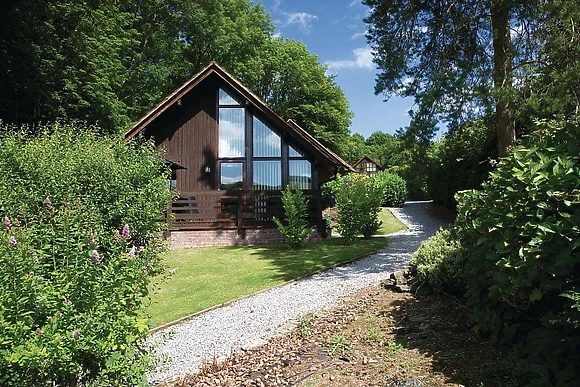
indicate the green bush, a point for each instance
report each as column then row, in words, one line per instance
column 440, row 263
column 78, row 249
column 358, row 203
column 118, row 182
column 395, row 189
column 522, row 232
column 461, row 161
column 296, row 211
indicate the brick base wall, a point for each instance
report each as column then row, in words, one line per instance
column 205, row 238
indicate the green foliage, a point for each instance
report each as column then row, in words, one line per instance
column 395, row 189
column 521, row 231
column 82, row 222
column 71, row 297
column 440, row 263
column 460, row 161
column 295, row 84
column 411, row 166
column 358, row 203
column 296, row 211
column 77, row 250
column 116, row 181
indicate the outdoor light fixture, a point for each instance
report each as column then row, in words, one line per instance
column 207, row 169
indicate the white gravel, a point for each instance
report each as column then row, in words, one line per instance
column 253, row 320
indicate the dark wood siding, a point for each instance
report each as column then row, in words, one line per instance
column 188, row 133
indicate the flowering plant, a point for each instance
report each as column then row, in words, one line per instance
column 71, row 305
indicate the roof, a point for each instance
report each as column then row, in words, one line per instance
column 213, row 68
column 367, row 158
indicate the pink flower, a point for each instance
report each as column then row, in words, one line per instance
column 68, row 303
column 48, row 203
column 7, row 222
column 76, row 334
column 95, row 256
column 58, row 314
column 39, row 331
column 11, row 241
column 117, row 234
column 131, row 253
column 49, row 318
column 172, row 271
column 125, row 232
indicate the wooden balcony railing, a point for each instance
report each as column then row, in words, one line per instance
column 236, row 209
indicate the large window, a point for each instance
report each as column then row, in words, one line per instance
column 231, row 176
column 232, row 123
column 265, row 162
column 266, row 142
column 300, row 172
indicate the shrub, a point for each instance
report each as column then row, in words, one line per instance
column 296, row 210
column 118, row 182
column 461, row 161
column 440, row 263
column 78, row 247
column 395, row 189
column 71, row 312
column 522, row 231
column 358, row 203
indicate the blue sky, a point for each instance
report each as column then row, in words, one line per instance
column 334, row 30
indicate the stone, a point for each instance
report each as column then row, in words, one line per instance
column 400, row 277
column 402, row 288
column 388, row 283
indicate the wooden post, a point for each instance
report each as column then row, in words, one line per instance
column 240, row 212
column 319, row 220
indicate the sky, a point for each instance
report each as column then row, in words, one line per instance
column 334, row 30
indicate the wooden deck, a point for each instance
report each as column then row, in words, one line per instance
column 239, row 210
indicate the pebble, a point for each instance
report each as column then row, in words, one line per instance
column 253, row 320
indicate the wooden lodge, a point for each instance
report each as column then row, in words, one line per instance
column 231, row 155
column 367, row 166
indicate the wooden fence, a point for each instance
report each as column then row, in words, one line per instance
column 236, row 209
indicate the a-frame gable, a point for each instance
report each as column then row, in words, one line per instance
column 300, row 137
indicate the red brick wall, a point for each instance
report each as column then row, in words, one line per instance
column 206, row 238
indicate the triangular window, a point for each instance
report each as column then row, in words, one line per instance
column 228, row 99
column 266, row 142
column 293, row 152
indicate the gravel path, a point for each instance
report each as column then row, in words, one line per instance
column 253, row 320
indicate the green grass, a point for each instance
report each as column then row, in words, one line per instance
column 213, row 275
column 390, row 223
column 210, row 276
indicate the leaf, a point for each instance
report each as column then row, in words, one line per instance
column 535, row 295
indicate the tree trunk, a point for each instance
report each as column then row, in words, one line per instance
column 502, row 75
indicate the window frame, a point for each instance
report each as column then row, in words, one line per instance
column 247, row 160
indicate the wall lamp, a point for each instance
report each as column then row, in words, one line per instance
column 207, row 169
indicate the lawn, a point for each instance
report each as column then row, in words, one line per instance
column 210, row 276
column 390, row 223
column 213, row 275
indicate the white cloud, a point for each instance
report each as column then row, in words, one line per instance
column 363, row 59
column 357, row 35
column 302, row 19
column 353, row 3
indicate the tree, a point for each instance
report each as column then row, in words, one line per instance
column 437, row 51
column 64, row 58
column 353, row 148
column 383, row 148
column 294, row 83
column 108, row 62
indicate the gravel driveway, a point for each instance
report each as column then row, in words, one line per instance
column 255, row 319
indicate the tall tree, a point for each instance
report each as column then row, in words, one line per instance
column 63, row 58
column 294, row 83
column 455, row 58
